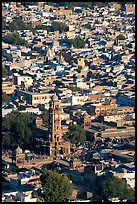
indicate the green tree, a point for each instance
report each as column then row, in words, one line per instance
column 121, row 37
column 78, row 42
column 4, row 72
column 87, row 26
column 18, row 24
column 19, row 129
column 61, row 27
column 5, row 99
column 114, row 187
column 76, row 134
column 71, row 5
column 73, row 88
column 100, row 4
column 41, row 27
column 14, row 39
column 20, row 133
column 4, row 27
column 7, row 139
column 45, row 117
column 57, row 188
column 29, row 3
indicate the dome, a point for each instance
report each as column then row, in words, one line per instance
column 86, row 114
column 55, row 97
column 18, row 150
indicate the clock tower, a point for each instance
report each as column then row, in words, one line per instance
column 55, row 120
column 56, row 145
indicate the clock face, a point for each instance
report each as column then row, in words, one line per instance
column 20, row 160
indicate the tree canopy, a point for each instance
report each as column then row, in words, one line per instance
column 61, row 27
column 14, row 39
column 18, row 128
column 114, row 187
column 27, row 3
column 4, row 72
column 18, row 24
column 57, row 188
column 71, row 5
column 41, row 27
column 87, row 26
column 4, row 26
column 78, row 42
column 121, row 37
column 73, row 88
column 5, row 99
column 76, row 134
column 45, row 117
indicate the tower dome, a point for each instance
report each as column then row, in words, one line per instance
column 86, row 114
column 55, row 97
column 18, row 150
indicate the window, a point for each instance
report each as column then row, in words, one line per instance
column 98, row 168
column 36, row 98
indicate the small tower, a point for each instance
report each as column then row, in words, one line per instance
column 55, row 45
column 86, row 121
column 61, row 59
column 19, row 157
column 49, row 54
column 72, row 47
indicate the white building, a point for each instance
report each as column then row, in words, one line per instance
column 78, row 99
column 24, row 78
column 16, row 196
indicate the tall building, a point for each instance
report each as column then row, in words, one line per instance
column 56, row 146
column 55, row 120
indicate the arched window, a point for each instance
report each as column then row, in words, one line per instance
column 56, row 107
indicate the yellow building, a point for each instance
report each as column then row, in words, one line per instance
column 35, row 98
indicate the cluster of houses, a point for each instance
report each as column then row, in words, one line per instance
column 94, row 84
